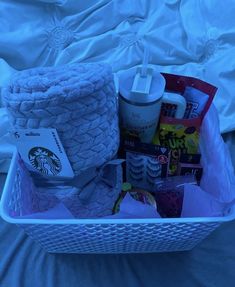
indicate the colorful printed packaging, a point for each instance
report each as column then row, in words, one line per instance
column 196, row 102
column 194, row 90
column 145, row 163
column 180, row 136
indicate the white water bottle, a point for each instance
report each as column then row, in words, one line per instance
column 140, row 100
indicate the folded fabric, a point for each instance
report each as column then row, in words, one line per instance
column 78, row 100
column 218, row 173
column 96, row 197
column 198, row 203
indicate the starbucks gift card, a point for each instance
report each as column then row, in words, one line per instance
column 42, row 152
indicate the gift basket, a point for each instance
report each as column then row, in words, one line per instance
column 164, row 185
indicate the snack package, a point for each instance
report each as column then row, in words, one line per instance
column 138, row 194
column 196, row 102
column 145, row 163
column 180, row 136
column 194, row 90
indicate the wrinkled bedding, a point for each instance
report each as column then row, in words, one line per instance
column 186, row 37
column 195, row 38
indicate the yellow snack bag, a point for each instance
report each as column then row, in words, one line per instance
column 180, row 136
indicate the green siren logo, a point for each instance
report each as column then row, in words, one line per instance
column 44, row 161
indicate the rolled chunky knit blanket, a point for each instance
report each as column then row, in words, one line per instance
column 78, row 100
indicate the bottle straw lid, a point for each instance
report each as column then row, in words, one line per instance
column 143, row 78
column 141, row 85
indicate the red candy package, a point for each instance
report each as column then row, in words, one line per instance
column 182, row 135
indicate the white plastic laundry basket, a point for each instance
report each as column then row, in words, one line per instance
column 112, row 235
column 108, row 235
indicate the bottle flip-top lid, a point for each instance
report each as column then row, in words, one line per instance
column 143, row 84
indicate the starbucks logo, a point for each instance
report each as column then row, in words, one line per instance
column 44, row 161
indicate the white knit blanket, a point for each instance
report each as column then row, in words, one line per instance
column 78, row 100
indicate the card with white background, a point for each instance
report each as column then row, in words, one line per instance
column 43, row 152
